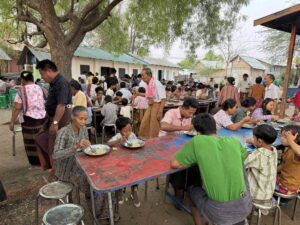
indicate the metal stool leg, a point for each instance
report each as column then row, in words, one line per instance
column 37, row 210
column 259, row 217
column 166, row 187
column 103, row 130
column 115, row 128
column 251, row 215
column 279, row 215
column 157, row 184
column 295, row 207
column 82, row 223
column 14, row 144
column 78, row 195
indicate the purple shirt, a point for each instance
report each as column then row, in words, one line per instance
column 258, row 115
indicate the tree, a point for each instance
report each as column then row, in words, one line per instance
column 275, row 45
column 63, row 24
column 211, row 56
column 189, row 62
column 153, row 22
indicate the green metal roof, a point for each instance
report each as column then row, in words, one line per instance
column 40, row 55
column 97, row 53
column 254, row 63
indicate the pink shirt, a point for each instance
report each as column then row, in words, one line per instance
column 173, row 117
column 222, row 119
column 140, row 102
column 36, row 101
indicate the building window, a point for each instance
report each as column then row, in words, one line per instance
column 135, row 72
column 105, row 71
column 84, row 69
column 122, row 72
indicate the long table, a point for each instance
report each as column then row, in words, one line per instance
column 124, row 167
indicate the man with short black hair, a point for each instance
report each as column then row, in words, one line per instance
column 244, row 87
column 224, row 197
column 58, row 107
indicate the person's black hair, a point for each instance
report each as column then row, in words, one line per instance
column 139, row 75
column 295, row 129
column 228, row 104
column 231, row 80
column 168, row 88
column 173, row 88
column 76, row 85
column 27, row 76
column 205, row 124
column 188, row 89
column 249, row 101
column 142, row 90
column 124, row 101
column 216, row 85
column 245, row 75
column 266, row 133
column 90, row 74
column 95, row 80
column 111, row 83
column 264, row 106
column 200, row 86
column 271, row 76
column 122, row 85
column 37, row 80
column 107, row 98
column 258, row 80
column 190, row 102
column 122, row 122
column 99, row 89
column 119, row 94
column 113, row 70
column 46, row 64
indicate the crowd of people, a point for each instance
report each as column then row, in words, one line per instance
column 54, row 127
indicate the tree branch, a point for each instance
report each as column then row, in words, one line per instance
column 89, row 7
column 69, row 15
column 97, row 21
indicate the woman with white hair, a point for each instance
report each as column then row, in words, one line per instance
column 69, row 139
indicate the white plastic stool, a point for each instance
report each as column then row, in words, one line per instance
column 65, row 214
column 294, row 196
column 57, row 190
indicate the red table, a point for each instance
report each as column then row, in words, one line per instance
column 126, row 167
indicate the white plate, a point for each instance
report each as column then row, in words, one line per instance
column 97, row 150
column 191, row 133
column 137, row 143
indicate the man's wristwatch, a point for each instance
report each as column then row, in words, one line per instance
column 55, row 122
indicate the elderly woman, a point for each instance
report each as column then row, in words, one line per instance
column 69, row 139
column 29, row 106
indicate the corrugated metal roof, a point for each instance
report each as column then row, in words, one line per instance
column 160, row 62
column 253, row 62
column 97, row 53
column 40, row 55
column 3, row 55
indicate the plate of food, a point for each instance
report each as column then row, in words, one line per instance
column 191, row 132
column 135, row 143
column 97, row 150
column 248, row 126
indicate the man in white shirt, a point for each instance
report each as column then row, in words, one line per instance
column 156, row 95
column 126, row 93
column 271, row 90
column 244, row 86
column 110, row 91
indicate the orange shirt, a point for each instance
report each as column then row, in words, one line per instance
column 290, row 172
column 257, row 91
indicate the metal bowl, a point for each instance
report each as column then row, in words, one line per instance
column 97, row 150
column 134, row 144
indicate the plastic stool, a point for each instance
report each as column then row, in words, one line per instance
column 294, row 196
column 65, row 214
column 267, row 206
column 56, row 190
column 103, row 130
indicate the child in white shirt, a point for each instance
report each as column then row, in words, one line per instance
column 125, row 109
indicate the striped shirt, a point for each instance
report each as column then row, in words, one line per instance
column 227, row 92
column 261, row 166
column 64, row 152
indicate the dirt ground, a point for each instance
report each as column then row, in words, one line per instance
column 22, row 183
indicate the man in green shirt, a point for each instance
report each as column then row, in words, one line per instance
column 224, row 197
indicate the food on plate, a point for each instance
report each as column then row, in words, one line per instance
column 98, row 151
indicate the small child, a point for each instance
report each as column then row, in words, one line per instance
column 288, row 179
column 125, row 109
column 140, row 102
column 261, row 164
column 124, row 126
column 109, row 111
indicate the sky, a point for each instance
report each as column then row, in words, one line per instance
column 247, row 35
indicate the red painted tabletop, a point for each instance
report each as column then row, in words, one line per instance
column 126, row 167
